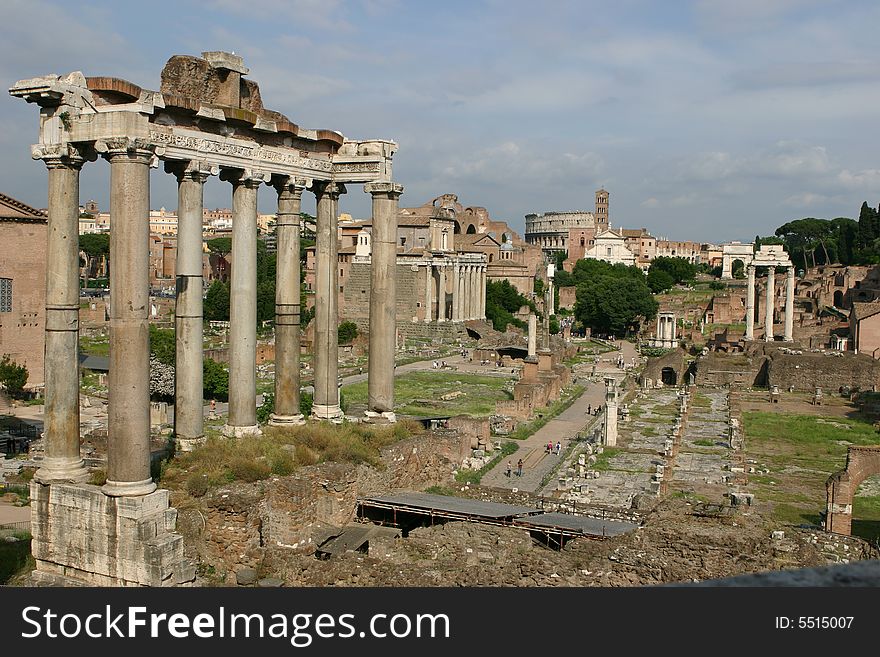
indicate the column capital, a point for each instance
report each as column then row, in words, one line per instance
column 191, row 170
column 62, row 156
column 250, row 178
column 327, row 188
column 390, row 189
column 290, row 187
column 133, row 148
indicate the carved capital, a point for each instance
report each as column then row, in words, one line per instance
column 62, row 156
column 389, row 189
column 289, row 187
column 332, row 190
column 250, row 178
column 191, row 170
column 133, row 148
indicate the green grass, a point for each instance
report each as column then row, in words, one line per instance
column 703, row 442
column 419, row 394
column 866, row 518
column 98, row 346
column 473, row 477
column 603, row 460
column 808, row 432
column 795, row 515
column 278, row 452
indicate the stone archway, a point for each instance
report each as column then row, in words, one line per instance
column 471, row 229
column 668, row 376
column 838, row 299
column 861, row 463
column 735, row 251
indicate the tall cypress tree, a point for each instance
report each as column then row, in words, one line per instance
column 869, row 226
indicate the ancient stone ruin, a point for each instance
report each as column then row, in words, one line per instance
column 207, row 119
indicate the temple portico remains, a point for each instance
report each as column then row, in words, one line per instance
column 206, row 120
column 772, row 257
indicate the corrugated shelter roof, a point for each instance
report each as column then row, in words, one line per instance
column 863, row 310
column 454, row 504
column 583, row 524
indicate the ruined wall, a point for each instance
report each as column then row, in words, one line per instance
column 861, row 463
column 675, row 359
column 830, row 371
column 740, row 370
column 234, row 525
column 410, row 292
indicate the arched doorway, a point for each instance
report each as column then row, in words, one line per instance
column 838, row 299
column 862, row 464
column 738, row 269
column 865, row 523
column 471, row 229
column 668, row 376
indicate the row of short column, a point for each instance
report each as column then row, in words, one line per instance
column 788, row 326
column 128, row 450
column 468, row 292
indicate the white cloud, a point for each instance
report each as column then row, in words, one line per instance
column 805, row 200
column 650, row 203
column 867, row 179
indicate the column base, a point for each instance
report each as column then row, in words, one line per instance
column 60, row 470
column 128, row 488
column 330, row 412
column 373, row 417
column 286, row 420
column 240, row 432
column 185, row 444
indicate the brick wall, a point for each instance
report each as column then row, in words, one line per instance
column 23, row 259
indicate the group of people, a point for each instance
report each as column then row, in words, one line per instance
column 593, row 411
column 438, row 364
column 549, row 449
column 519, row 469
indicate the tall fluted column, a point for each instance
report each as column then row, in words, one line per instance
column 750, row 304
column 771, row 294
column 429, row 283
column 128, row 408
column 788, row 336
column 472, row 292
column 456, row 299
column 441, row 294
column 62, row 461
column 188, row 319
column 242, row 420
column 383, row 301
column 287, row 303
column 533, row 335
column 326, row 406
column 482, row 312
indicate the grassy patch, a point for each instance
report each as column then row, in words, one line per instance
column 279, row 451
column 603, row 460
column 703, row 442
column 795, row 515
column 95, row 346
column 866, row 518
column 421, row 394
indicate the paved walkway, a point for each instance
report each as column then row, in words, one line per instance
column 565, row 426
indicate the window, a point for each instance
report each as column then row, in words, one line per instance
column 609, row 250
column 5, row 295
column 402, row 241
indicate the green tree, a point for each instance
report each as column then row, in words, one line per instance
column 502, row 300
column 13, row 376
column 347, row 332
column 215, row 382
column 679, row 269
column 216, row 307
column 614, row 305
column 659, row 280
column 163, row 344
column 554, row 325
column 539, row 286
column 869, row 225
column 95, row 246
column 846, row 231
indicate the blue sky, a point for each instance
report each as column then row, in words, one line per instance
column 710, row 120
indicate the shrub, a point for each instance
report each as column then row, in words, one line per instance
column 348, row 331
column 197, row 485
column 249, row 470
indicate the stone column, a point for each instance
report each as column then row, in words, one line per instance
column 441, row 294
column 456, row 297
column 62, row 461
column 788, row 336
column 609, row 437
column 188, row 320
column 465, row 293
column 552, row 297
column 474, row 291
column 429, row 283
column 287, row 303
column 128, row 408
column 672, row 328
column 750, row 304
column 242, row 420
column 546, row 331
column 533, row 335
column 383, row 301
column 771, row 293
column 326, row 406
column 482, row 312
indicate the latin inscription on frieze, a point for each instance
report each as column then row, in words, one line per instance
column 203, row 145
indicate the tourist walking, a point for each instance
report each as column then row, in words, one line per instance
column 509, row 469
column 519, row 466
column 558, row 447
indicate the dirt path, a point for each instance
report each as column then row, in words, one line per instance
column 565, row 426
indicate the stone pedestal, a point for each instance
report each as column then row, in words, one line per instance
column 530, row 368
column 545, row 360
column 82, row 536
